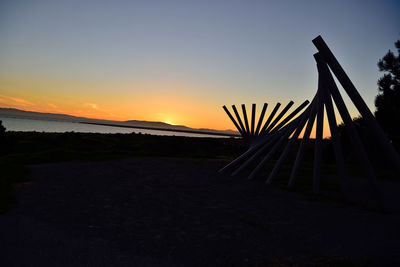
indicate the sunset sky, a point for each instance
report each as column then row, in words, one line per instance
column 180, row 61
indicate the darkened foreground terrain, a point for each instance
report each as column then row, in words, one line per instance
column 21, row 148
column 137, row 200
column 36, row 147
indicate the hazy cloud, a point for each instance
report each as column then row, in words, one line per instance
column 91, row 105
column 15, row 101
column 52, row 105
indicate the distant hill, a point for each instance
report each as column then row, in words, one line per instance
column 154, row 124
column 11, row 112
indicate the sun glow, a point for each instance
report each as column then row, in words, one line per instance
column 169, row 121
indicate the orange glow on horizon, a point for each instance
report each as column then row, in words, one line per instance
column 161, row 117
column 142, row 101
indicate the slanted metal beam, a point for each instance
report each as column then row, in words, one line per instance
column 292, row 140
column 318, row 144
column 356, row 98
column 291, row 115
column 246, row 122
column 261, row 119
column 273, row 138
column 233, row 120
column 303, row 146
column 246, row 154
column 253, row 117
column 276, row 120
column 337, row 147
column 270, row 117
column 273, row 150
column 239, row 120
column 344, row 113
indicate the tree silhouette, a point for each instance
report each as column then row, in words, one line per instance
column 387, row 102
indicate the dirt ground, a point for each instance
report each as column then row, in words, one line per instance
column 181, row 212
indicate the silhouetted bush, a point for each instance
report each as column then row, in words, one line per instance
column 374, row 151
column 2, row 131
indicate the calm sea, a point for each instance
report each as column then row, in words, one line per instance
column 55, row 126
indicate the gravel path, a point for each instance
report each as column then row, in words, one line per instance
column 180, row 212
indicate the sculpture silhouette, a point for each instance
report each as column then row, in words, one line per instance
column 265, row 144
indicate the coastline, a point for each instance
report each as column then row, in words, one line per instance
column 165, row 129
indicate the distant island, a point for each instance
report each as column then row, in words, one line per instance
column 152, row 125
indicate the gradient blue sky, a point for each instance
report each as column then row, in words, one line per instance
column 204, row 53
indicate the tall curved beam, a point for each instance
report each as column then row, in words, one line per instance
column 271, row 116
column 246, row 154
column 337, row 148
column 318, row 145
column 239, row 120
column 253, row 118
column 274, row 137
column 291, row 115
column 303, row 145
column 233, row 120
column 276, row 145
column 286, row 151
column 270, row 142
column 246, row 122
column 276, row 120
column 261, row 119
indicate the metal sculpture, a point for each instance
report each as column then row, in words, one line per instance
column 254, row 136
column 264, row 144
